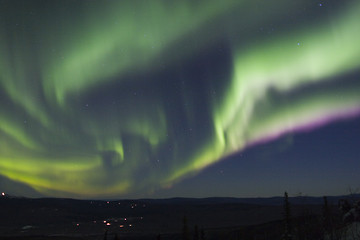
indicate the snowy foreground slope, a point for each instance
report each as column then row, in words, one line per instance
column 350, row 232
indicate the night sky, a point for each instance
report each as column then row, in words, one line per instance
column 132, row 99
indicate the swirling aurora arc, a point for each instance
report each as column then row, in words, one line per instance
column 100, row 100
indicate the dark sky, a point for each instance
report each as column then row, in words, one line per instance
column 131, row 99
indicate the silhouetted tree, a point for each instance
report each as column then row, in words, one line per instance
column 158, row 237
column 287, row 213
column 105, row 235
column 116, row 237
column 196, row 232
column 185, row 232
column 327, row 219
column 202, row 234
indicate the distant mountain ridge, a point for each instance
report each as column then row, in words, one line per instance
column 270, row 201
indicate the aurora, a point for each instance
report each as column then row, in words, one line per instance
column 104, row 100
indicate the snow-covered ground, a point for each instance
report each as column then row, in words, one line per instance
column 350, row 232
column 353, row 231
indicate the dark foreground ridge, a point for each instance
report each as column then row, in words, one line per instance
column 209, row 218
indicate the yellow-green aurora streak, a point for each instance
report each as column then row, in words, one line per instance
column 100, row 100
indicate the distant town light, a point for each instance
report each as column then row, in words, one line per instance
column 121, row 226
column 108, row 224
column 2, row 194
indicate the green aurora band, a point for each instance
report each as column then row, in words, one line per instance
column 103, row 100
